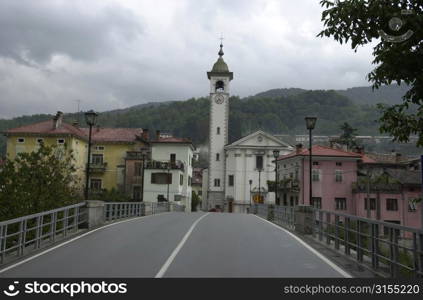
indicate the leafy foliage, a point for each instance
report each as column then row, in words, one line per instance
column 348, row 136
column 359, row 22
column 37, row 181
column 195, row 201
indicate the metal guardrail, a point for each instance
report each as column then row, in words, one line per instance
column 25, row 234
column 387, row 247
column 384, row 247
column 121, row 210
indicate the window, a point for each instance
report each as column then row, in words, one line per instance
column 99, row 148
column 391, row 204
column 21, row 140
column 315, row 163
column 338, row 175
column 291, row 200
column 97, row 159
column 189, row 180
column 291, row 175
column 316, row 202
column 137, row 194
column 181, row 179
column 217, row 182
column 340, row 203
column 338, row 164
column 315, row 174
column 259, row 162
column 217, row 156
column 172, row 158
column 296, row 174
column 231, row 180
column 285, row 201
column 161, row 178
column 372, row 203
column 60, row 141
column 412, row 206
column 218, row 130
column 40, row 141
column 95, row 184
column 138, row 169
column 386, row 229
column 296, row 200
column 200, row 193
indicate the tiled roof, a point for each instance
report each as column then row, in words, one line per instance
column 46, row 127
column 98, row 134
column 114, row 134
column 318, row 150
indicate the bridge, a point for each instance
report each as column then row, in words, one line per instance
column 96, row 239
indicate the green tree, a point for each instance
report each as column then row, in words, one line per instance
column 398, row 60
column 348, row 136
column 195, row 201
column 37, row 181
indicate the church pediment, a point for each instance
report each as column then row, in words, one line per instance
column 259, row 139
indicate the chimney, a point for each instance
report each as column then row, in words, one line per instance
column 145, row 134
column 359, row 149
column 158, row 134
column 57, row 120
column 298, row 148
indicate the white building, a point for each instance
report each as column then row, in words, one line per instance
column 168, row 174
column 226, row 183
column 250, row 159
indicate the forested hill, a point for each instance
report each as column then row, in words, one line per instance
column 275, row 114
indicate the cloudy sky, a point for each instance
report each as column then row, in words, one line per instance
column 115, row 54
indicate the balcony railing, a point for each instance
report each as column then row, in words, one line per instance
column 376, row 187
column 98, row 167
column 165, row 165
column 135, row 155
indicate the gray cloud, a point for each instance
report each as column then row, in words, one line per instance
column 113, row 54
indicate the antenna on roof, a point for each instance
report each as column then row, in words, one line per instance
column 78, row 112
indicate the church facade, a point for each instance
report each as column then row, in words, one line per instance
column 238, row 172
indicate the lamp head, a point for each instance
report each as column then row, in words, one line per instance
column 91, row 117
column 310, row 122
column 276, row 153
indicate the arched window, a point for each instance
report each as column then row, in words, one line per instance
column 218, row 130
column 220, row 86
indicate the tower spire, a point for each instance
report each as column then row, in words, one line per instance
column 221, row 46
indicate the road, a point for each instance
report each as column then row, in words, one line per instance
column 181, row 245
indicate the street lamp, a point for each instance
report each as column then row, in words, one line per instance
column 90, row 119
column 276, row 155
column 259, row 198
column 250, row 182
column 310, row 123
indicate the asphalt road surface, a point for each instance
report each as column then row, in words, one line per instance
column 181, row 245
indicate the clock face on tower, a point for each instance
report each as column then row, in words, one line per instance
column 219, row 99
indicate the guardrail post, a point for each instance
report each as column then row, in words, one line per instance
column 347, row 236
column 303, row 219
column 420, row 253
column 393, row 253
column 336, row 232
column 95, row 213
column 375, row 245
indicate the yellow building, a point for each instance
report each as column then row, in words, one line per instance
column 113, row 152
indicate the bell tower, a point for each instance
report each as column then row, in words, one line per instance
column 220, row 78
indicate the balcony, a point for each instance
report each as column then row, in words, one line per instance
column 165, row 165
column 98, row 167
column 289, row 185
column 135, row 155
column 376, row 187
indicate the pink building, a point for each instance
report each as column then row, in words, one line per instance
column 337, row 182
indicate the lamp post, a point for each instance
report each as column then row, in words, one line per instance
column 250, row 182
column 90, row 119
column 168, row 181
column 259, row 198
column 310, row 123
column 276, row 155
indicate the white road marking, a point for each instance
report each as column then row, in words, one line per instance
column 70, row 241
column 322, row 257
column 175, row 252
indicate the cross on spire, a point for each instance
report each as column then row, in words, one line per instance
column 221, row 45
